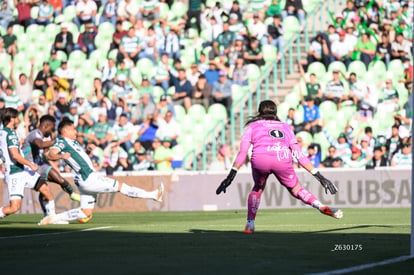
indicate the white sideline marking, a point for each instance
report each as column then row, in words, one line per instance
column 56, row 233
column 365, row 266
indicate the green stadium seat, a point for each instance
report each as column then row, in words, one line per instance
column 178, row 10
column 291, row 27
column 299, row 114
column 396, row 69
column 197, row 112
column 357, row 67
column 318, row 69
column 293, row 99
column 337, row 65
column 218, row 112
column 328, row 110
column 306, row 137
column 179, row 112
column 282, row 110
column 269, row 53
column 69, row 13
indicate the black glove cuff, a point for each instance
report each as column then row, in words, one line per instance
column 232, row 174
column 319, row 176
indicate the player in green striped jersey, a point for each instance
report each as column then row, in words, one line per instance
column 89, row 182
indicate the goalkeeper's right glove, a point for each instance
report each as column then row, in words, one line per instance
column 327, row 184
column 227, row 181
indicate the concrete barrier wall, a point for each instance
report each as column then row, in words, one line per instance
column 196, row 191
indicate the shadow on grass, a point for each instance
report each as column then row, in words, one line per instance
column 65, row 250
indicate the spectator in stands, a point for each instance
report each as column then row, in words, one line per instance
column 62, row 105
column 212, row 73
column 240, row 75
column 42, row 104
column 356, row 160
column 169, row 128
column 122, row 132
column 109, row 12
column 403, row 158
column 330, row 158
column 257, row 29
column 86, row 39
column 335, row 89
column 6, row 15
column 274, row 8
column 378, row 159
column 24, row 86
column 45, row 13
column 183, row 90
column 23, row 12
column 127, row 10
column 65, row 72
column 236, row 26
column 341, row 50
column 366, row 49
column 108, row 71
column 313, row 88
column 318, row 51
column 148, row 10
column 115, row 158
column 394, row 143
column 201, row 92
column 291, row 121
column 85, row 12
column 163, row 155
column 64, row 40
column 162, row 77
column 163, row 106
column 253, row 54
column 223, row 42
column 12, row 100
column 389, row 102
column 41, row 77
column 221, row 91
column 10, row 41
column 383, row 51
column 211, row 28
column 275, row 34
column 194, row 11
column 147, row 131
column 172, row 44
column 236, row 9
column 294, row 8
column 144, row 108
column 56, row 85
column 193, row 74
column 118, row 35
column 138, row 159
column 54, row 62
column 130, row 47
column 408, row 73
column 400, row 48
column 223, row 161
column 101, row 130
column 343, row 148
column 311, row 115
column 314, row 154
column 357, row 90
column 236, row 50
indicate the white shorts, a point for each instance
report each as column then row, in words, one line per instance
column 92, row 186
column 17, row 182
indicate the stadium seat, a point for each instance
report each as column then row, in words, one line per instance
column 282, row 110
column 254, row 72
column 197, row 112
column 69, row 13
column 293, row 99
column 178, row 10
column 218, row 112
column 157, row 93
column 397, row 69
column 135, row 76
column 76, row 59
column 238, row 92
column 337, row 65
column 269, row 53
column 34, row 12
column 328, row 110
column 186, row 124
column 306, row 137
column 357, row 67
column 299, row 114
column 318, row 69
column 291, row 27
column 146, row 66
column 377, row 67
column 179, row 112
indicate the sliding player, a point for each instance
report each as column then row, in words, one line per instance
column 20, row 173
column 33, row 148
column 274, row 143
column 90, row 183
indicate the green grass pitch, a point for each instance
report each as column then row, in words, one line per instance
column 290, row 241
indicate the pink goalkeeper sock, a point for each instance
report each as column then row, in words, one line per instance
column 253, row 204
column 305, row 196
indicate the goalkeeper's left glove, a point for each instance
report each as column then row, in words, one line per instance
column 227, row 181
column 327, row 184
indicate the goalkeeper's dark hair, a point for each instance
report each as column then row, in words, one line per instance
column 267, row 110
column 47, row 118
column 64, row 123
column 8, row 114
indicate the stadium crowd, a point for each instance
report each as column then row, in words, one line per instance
column 130, row 125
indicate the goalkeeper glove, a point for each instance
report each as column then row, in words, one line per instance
column 327, row 184
column 227, row 181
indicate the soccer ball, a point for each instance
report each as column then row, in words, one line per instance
column 85, row 220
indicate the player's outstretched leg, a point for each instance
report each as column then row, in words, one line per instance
column 64, row 217
column 252, row 207
column 135, row 192
column 307, row 197
column 55, row 177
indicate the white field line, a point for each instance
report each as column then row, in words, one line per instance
column 365, row 266
column 55, row 233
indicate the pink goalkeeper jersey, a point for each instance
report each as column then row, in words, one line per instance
column 271, row 140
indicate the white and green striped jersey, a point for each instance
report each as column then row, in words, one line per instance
column 79, row 161
column 401, row 159
column 149, row 5
column 9, row 139
column 130, row 44
column 12, row 101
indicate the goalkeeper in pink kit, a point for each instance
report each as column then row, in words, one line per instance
column 274, row 146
